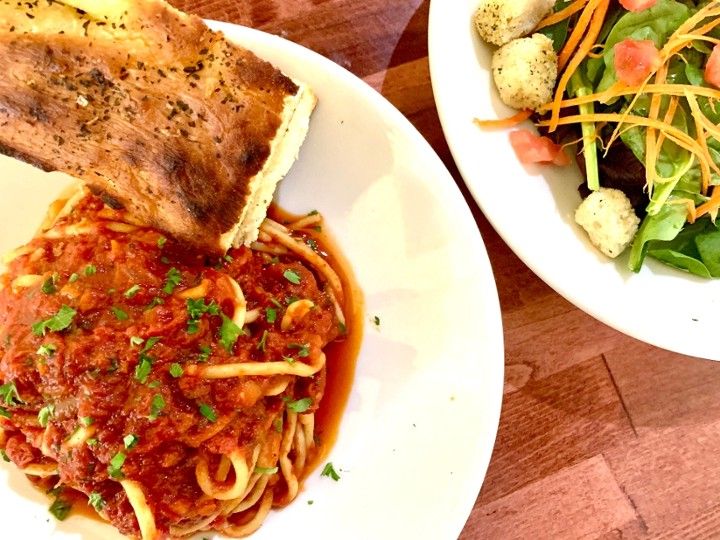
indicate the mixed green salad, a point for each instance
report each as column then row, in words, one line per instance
column 669, row 121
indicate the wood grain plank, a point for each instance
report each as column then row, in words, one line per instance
column 582, row 501
column 553, row 423
column 671, row 474
column 661, row 388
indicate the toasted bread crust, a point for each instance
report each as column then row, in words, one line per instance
column 149, row 107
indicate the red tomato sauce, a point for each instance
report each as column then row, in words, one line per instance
column 100, row 341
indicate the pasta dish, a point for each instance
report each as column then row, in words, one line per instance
column 172, row 392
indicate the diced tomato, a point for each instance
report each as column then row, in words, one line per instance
column 635, row 60
column 712, row 68
column 637, row 5
column 531, row 148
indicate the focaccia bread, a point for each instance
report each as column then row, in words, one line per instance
column 152, row 110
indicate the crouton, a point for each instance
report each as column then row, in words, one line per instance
column 500, row 21
column 525, row 72
column 609, row 219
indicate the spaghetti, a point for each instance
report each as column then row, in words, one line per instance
column 177, row 394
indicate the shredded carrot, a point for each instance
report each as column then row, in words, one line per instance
column 577, row 34
column 561, row 15
column 658, row 124
column 596, row 10
column 504, row 123
column 711, row 206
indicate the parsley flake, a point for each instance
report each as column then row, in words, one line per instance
column 161, row 242
column 271, row 315
column 132, row 291
column 90, row 270
column 173, row 280
column 9, row 393
column 300, row 406
column 150, row 343
column 120, row 315
column 45, row 414
column 207, row 412
column 229, row 333
column 292, row 277
column 266, row 470
column 60, row 321
column 176, row 370
column 49, row 287
column 73, row 278
column 60, row 508
column 46, row 350
column 156, row 407
column 143, row 369
column 303, row 350
column 130, row 441
column 96, row 501
column 263, row 339
column 329, row 471
column 116, row 463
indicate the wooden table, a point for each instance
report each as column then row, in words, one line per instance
column 601, row 436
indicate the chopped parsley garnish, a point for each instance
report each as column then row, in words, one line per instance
column 263, row 339
column 329, row 470
column 73, row 278
column 116, row 463
column 176, row 370
column 60, row 508
column 208, row 412
column 90, row 270
column 276, row 303
column 196, row 309
column 291, row 299
column 130, row 441
column 143, row 369
column 60, row 321
column 9, row 393
column 289, row 359
column 150, row 343
column 45, row 414
column 132, row 291
column 5, row 413
column 271, row 315
column 91, row 442
column 136, row 340
column 120, row 315
column 96, row 501
column 292, row 277
column 87, row 420
column 300, row 406
column 229, row 333
column 173, row 280
column 204, row 353
column 161, row 242
column 313, row 244
column 376, row 320
column 49, row 287
column 154, row 384
column 278, row 424
column 228, row 258
column 303, row 350
column 155, row 302
column 266, row 470
column 164, row 260
column 46, row 350
column 156, row 407
column 4, row 456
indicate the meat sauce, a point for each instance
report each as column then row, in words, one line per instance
column 95, row 337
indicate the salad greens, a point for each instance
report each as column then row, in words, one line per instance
column 667, row 232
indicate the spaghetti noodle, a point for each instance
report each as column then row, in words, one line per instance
column 177, row 394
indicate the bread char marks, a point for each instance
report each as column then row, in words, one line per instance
column 112, row 112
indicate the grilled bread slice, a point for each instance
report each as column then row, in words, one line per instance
column 152, row 110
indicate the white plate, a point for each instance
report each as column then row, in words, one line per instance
column 420, row 424
column 532, row 207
